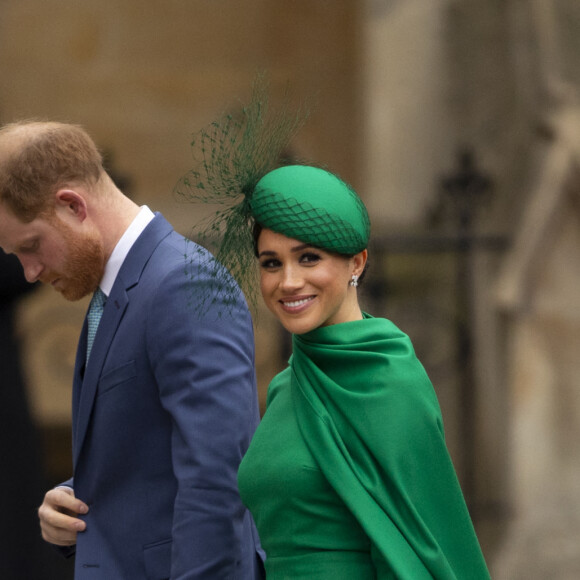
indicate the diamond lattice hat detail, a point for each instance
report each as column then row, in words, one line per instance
column 311, row 205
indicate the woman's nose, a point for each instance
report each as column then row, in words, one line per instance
column 291, row 278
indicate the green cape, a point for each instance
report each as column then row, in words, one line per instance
column 370, row 417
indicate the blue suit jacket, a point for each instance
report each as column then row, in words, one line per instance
column 162, row 414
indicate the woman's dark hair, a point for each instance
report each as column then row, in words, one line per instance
column 256, row 231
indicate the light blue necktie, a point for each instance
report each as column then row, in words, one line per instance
column 94, row 317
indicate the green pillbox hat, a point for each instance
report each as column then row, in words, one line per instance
column 311, row 205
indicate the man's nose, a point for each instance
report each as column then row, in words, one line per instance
column 32, row 269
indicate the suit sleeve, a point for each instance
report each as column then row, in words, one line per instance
column 204, row 366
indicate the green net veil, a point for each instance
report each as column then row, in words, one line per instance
column 230, row 156
column 239, row 165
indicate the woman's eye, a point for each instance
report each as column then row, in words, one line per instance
column 269, row 264
column 309, row 258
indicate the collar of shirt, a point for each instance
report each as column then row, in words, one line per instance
column 123, row 246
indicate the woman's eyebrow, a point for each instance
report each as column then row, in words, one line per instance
column 300, row 247
column 293, row 249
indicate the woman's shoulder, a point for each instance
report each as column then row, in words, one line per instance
column 278, row 384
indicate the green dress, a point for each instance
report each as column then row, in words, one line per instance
column 348, row 475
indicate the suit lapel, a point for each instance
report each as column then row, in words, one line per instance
column 112, row 316
column 86, row 384
column 79, row 372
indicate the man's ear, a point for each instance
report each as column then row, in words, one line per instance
column 71, row 204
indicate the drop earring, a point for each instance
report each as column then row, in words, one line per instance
column 353, row 281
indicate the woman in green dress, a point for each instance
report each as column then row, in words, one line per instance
column 348, row 476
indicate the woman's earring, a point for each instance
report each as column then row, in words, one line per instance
column 354, row 280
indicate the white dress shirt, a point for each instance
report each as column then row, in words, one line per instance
column 122, row 248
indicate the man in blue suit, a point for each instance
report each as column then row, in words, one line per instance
column 164, row 398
